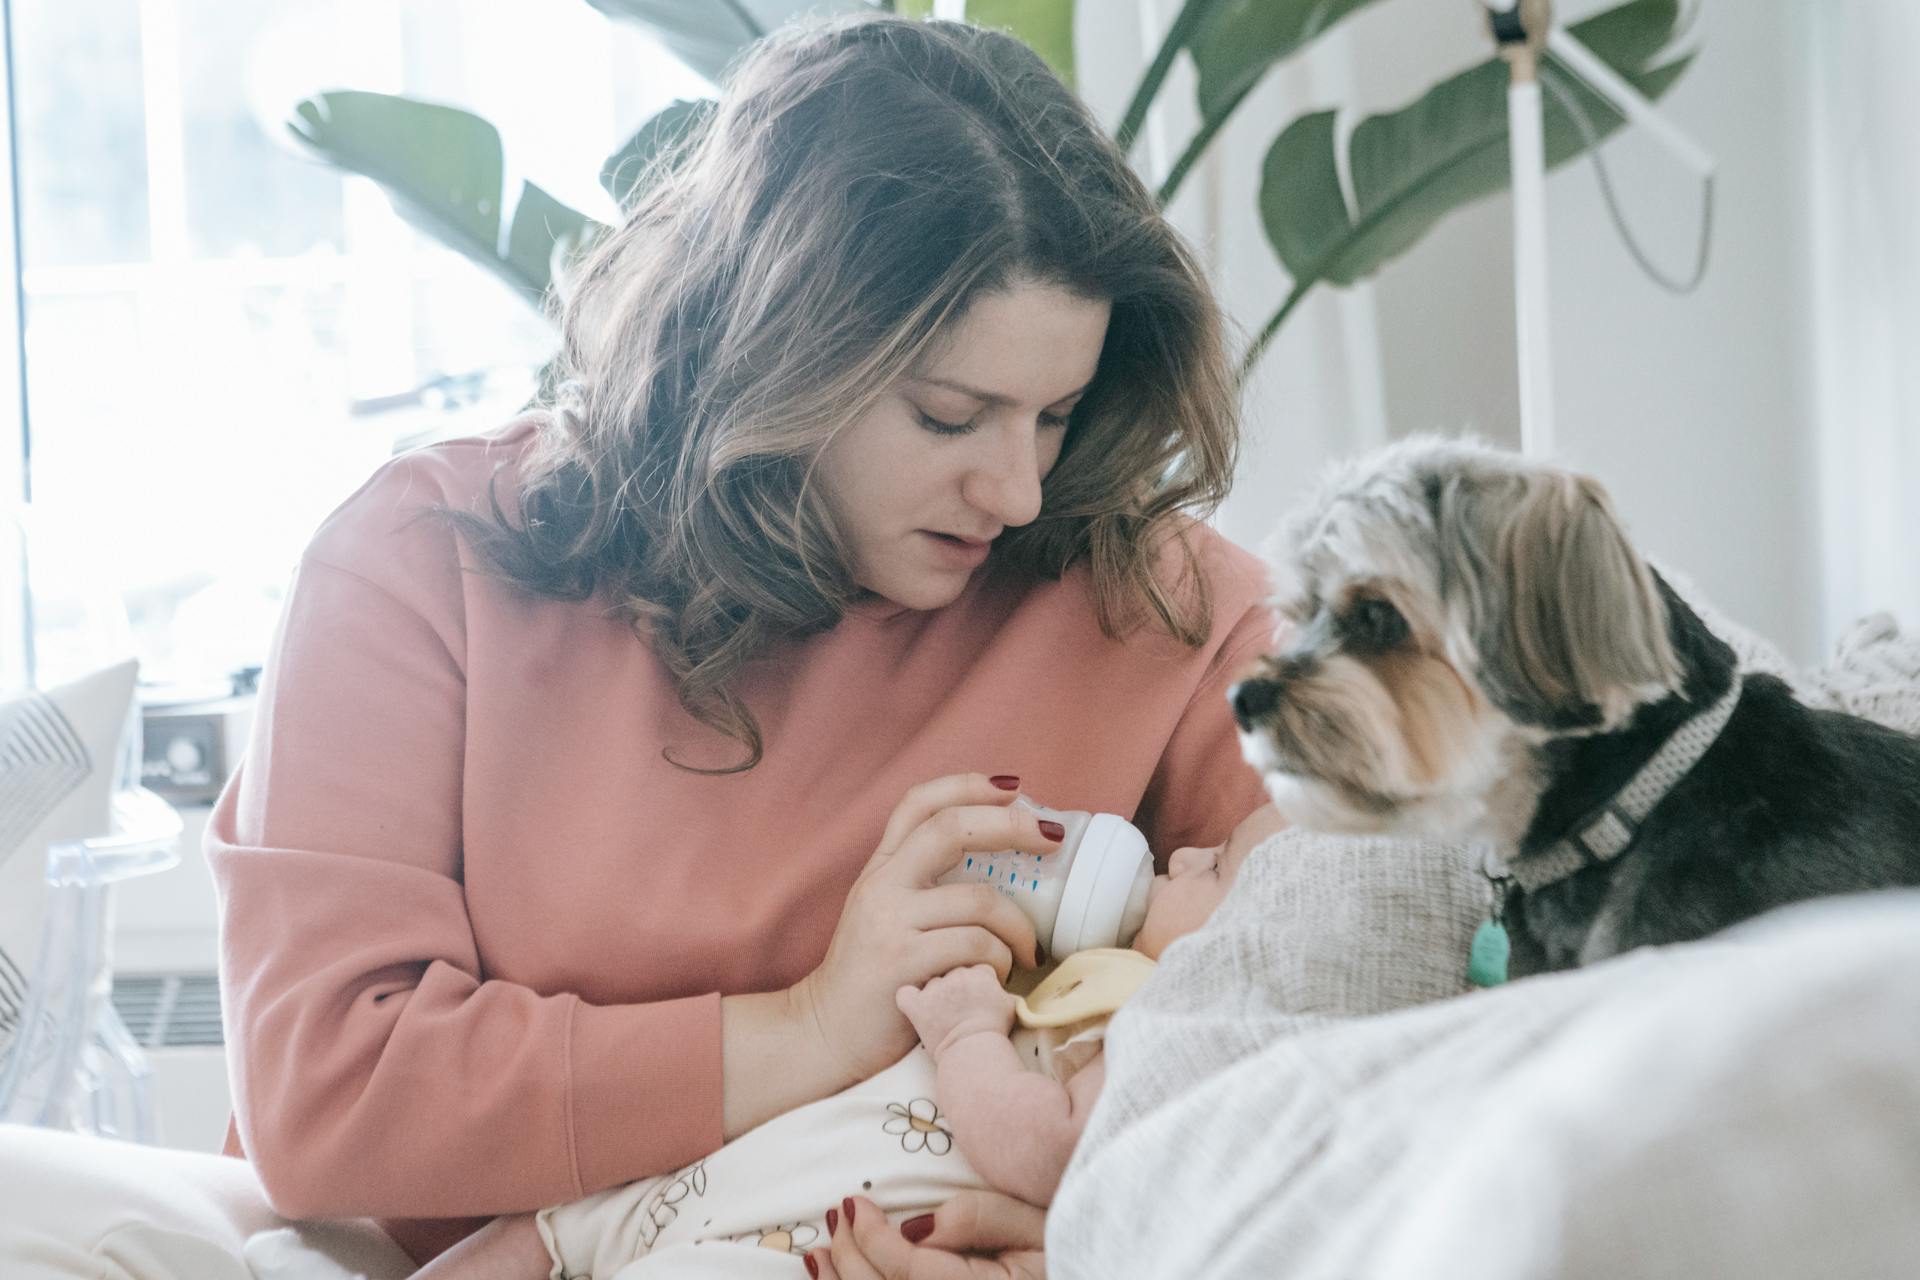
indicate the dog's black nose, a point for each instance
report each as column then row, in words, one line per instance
column 1252, row 699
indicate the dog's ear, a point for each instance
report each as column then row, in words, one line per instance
column 1569, row 624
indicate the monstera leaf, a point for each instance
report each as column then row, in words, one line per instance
column 442, row 169
column 1233, row 43
column 623, row 172
column 1412, row 167
column 1241, row 40
column 706, row 34
column 1046, row 26
column 442, row 166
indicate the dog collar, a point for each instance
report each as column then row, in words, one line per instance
column 1602, row 839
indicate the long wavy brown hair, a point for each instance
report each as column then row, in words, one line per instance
column 858, row 184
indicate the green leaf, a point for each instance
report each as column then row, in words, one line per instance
column 1233, row 47
column 1412, row 167
column 706, row 34
column 442, row 169
column 624, row 173
column 1240, row 40
column 1180, row 33
column 545, row 233
column 1046, row 26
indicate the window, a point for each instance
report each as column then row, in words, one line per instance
column 223, row 336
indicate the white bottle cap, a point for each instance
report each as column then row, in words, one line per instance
column 1136, row 913
column 1109, row 869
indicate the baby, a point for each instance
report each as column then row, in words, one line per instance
column 987, row 1102
column 1018, row 1077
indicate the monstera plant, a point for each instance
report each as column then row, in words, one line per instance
column 442, row 167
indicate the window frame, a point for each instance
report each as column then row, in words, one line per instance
column 16, row 638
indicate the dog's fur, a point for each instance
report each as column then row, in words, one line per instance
column 1478, row 652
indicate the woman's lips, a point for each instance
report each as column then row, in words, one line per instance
column 958, row 550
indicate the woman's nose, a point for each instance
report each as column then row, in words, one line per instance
column 1006, row 484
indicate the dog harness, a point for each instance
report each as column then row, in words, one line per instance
column 1600, row 839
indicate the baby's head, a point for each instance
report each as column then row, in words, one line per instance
column 1196, row 881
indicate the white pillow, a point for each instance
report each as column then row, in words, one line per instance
column 59, row 756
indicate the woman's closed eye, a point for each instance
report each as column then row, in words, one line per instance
column 941, row 427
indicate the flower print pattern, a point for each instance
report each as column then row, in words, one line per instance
column 663, row 1206
column 918, row 1126
column 785, row 1237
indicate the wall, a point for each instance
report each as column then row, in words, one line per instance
column 1696, row 411
column 1866, row 189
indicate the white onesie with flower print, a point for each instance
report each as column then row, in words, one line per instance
column 757, row 1204
column 744, row 1209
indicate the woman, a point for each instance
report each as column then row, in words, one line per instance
column 565, row 846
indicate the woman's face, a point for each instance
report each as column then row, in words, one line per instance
column 953, row 454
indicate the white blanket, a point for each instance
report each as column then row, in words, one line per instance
column 1304, row 1089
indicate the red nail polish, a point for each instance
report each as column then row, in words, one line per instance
column 833, row 1222
column 917, row 1229
column 813, row 1268
column 1052, row 830
column 846, row 1207
column 1005, row 781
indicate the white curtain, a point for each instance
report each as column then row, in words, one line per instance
column 1866, row 232
column 13, row 588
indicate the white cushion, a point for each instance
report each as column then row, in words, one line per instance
column 59, row 749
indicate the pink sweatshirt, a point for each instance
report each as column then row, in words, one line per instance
column 476, row 930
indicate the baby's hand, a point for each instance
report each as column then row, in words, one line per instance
column 957, row 1004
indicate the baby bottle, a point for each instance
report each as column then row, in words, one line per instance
column 1091, row 892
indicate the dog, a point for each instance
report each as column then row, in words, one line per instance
column 1477, row 652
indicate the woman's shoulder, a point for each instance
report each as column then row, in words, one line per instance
column 1235, row 578
column 388, row 523
column 1195, row 563
column 1201, row 568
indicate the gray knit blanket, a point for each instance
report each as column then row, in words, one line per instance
column 1306, row 1087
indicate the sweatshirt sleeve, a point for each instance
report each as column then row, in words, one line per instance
column 376, row 1070
column 1203, row 786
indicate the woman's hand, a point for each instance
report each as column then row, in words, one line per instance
column 977, row 1235
column 957, row 1004
column 899, row 928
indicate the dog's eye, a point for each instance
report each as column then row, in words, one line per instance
column 1373, row 626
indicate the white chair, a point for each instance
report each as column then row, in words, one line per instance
column 66, row 1059
column 72, row 1064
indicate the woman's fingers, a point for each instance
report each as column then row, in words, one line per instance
column 956, row 948
column 927, row 799
column 877, row 945
column 886, row 1251
column 875, row 1243
column 821, row 1265
column 938, row 844
column 848, row 1259
column 947, row 905
column 986, row 1222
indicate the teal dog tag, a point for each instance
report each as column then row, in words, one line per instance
column 1487, row 959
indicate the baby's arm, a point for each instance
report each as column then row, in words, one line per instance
column 1016, row 1127
column 507, row 1248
